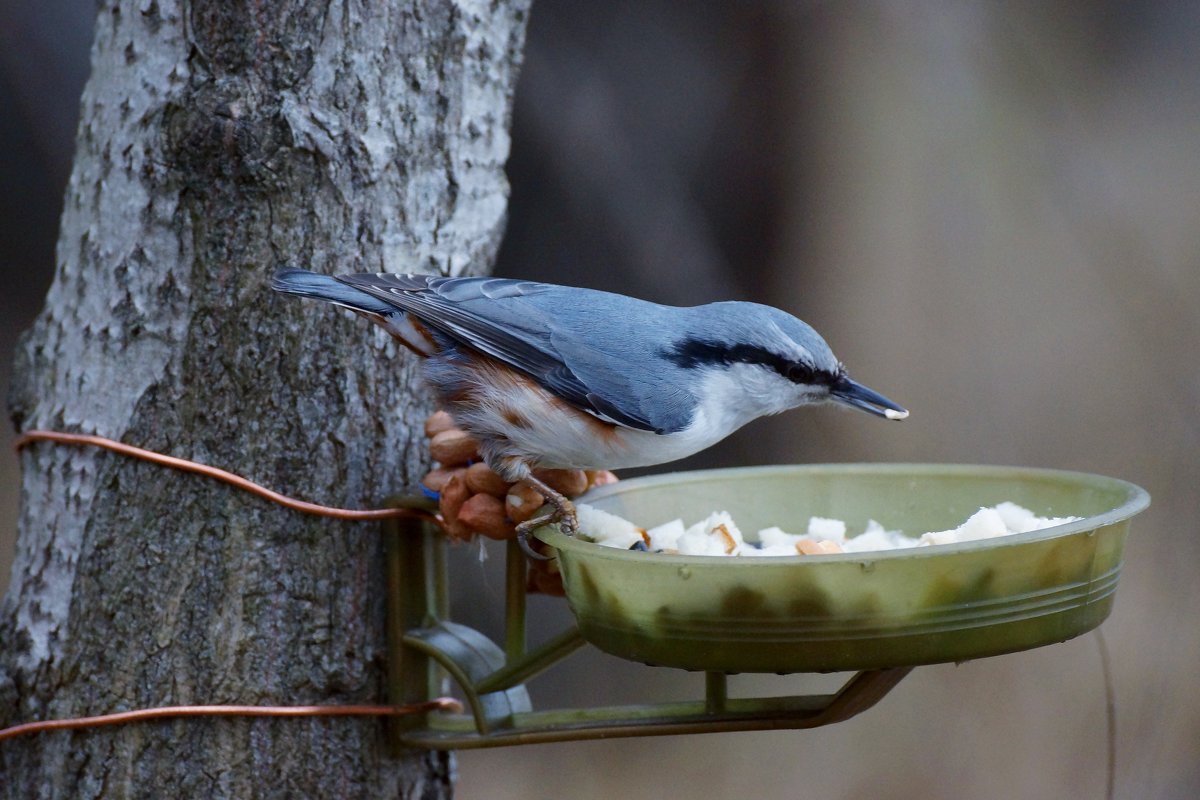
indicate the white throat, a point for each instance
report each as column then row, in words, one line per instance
column 735, row 395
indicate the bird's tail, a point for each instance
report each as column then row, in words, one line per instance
column 323, row 287
column 391, row 318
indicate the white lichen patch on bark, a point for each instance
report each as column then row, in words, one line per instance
column 121, row 261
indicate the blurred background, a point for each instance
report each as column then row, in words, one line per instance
column 990, row 211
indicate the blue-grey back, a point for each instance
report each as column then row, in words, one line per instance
column 628, row 360
column 595, row 349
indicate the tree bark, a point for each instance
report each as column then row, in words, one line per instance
column 219, row 141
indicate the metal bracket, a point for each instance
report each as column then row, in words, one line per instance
column 422, row 643
column 470, row 657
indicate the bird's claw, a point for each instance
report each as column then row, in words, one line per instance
column 527, row 548
column 528, row 527
column 563, row 515
column 566, row 519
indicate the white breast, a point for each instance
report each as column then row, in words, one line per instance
column 514, row 417
column 526, row 421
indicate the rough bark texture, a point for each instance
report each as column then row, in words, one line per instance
column 219, row 140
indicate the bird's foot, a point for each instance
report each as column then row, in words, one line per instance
column 523, row 531
column 563, row 514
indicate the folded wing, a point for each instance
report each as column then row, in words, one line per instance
column 512, row 321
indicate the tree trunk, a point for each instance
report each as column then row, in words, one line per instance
column 218, row 141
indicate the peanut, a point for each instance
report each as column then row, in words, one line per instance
column 601, row 477
column 458, row 532
column 543, row 576
column 453, row 447
column 454, row 494
column 437, row 422
column 435, row 480
column 571, row 482
column 481, row 478
column 484, row 514
column 545, row 583
column 522, row 502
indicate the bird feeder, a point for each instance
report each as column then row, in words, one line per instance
column 875, row 614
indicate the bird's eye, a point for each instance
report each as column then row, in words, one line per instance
column 800, row 373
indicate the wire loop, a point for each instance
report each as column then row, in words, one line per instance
column 182, row 464
column 166, row 712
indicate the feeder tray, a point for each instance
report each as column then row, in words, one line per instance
column 877, row 613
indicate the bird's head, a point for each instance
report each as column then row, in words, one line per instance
column 766, row 361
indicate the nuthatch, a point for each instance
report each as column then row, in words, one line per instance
column 552, row 376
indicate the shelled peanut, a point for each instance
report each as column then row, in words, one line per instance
column 474, row 499
column 543, row 577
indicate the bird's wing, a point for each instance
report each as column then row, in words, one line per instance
column 489, row 315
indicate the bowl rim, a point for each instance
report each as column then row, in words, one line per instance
column 1136, row 500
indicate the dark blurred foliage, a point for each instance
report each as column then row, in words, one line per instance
column 627, row 175
column 43, row 65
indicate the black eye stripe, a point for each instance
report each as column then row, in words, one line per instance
column 801, row 373
column 693, row 353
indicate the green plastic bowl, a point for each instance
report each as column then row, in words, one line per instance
column 851, row 611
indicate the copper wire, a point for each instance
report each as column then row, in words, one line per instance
column 164, row 712
column 222, row 475
column 167, row 712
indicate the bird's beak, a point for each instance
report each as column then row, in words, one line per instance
column 856, row 395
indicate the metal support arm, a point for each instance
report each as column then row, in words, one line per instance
column 422, row 641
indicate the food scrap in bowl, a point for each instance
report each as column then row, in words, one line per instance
column 719, row 535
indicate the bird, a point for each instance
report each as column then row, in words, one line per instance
column 549, row 376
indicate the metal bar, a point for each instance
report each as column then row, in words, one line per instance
column 653, row 713
column 716, row 691
column 533, row 663
column 436, row 545
column 441, row 572
column 397, row 689
column 748, row 714
column 862, row 691
column 742, row 714
column 514, row 602
column 469, row 657
column 410, row 676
